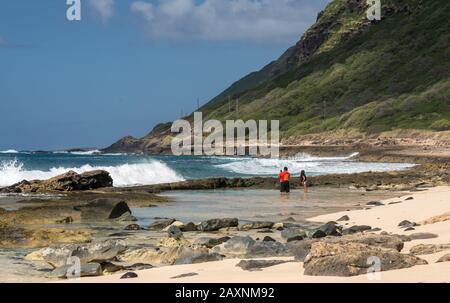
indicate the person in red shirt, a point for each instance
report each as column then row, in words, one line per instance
column 285, row 178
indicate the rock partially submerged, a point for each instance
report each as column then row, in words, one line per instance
column 256, row 225
column 351, row 259
column 70, row 181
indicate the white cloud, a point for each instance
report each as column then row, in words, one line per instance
column 228, row 20
column 103, row 8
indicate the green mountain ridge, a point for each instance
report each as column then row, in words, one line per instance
column 346, row 72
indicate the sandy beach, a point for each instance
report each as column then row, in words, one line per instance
column 429, row 208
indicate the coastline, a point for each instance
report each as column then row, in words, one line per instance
column 423, row 206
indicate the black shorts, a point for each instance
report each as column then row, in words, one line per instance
column 285, row 187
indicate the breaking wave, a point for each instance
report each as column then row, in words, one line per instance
column 151, row 172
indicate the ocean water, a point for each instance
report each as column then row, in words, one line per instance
column 128, row 170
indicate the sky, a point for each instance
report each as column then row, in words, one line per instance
column 128, row 65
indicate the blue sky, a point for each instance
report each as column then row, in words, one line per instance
column 128, row 64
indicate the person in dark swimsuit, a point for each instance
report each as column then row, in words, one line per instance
column 304, row 181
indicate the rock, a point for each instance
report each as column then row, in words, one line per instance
column 265, row 231
column 216, row 224
column 210, row 242
column 105, row 209
column 409, row 198
column 257, row 265
column 189, row 227
column 300, row 249
column 296, row 238
column 143, row 255
column 69, row 271
column 407, row 224
column 291, row 234
column 277, row 226
column 173, row 242
column 175, row 233
column 256, row 225
column 236, row 246
column 268, row 239
column 395, row 202
column 191, row 274
column 139, row 266
column 266, row 249
column 351, row 259
column 66, row 220
column 70, row 181
column 129, row 275
column 344, row 218
column 422, row 236
column 375, row 203
column 160, row 225
column 110, row 268
column 93, row 252
column 331, row 229
column 445, row 258
column 198, row 258
column 318, row 234
column 44, row 237
column 177, row 224
column 132, row 227
column 428, row 249
column 410, row 229
column 356, row 229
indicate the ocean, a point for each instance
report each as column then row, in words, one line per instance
column 129, row 170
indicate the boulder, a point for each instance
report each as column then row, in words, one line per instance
column 344, row 218
column 92, row 252
column 105, row 209
column 175, row 233
column 268, row 239
column 170, row 242
column 160, row 225
column 300, row 249
column 292, row 234
column 258, row 265
column 129, row 275
column 210, row 242
column 189, row 227
column 356, row 229
column 317, row 234
column 266, row 249
column 177, row 224
column 69, row 271
column 331, row 229
column 428, row 249
column 407, row 224
column 199, row 258
column 351, row 259
column 216, row 224
column 236, row 246
column 256, row 225
column 70, row 181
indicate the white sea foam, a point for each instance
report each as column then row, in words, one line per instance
column 151, row 172
column 315, row 165
column 9, row 151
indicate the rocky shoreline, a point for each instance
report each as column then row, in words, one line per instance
column 54, row 220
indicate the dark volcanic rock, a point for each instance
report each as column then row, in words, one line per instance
column 266, row 249
column 175, row 233
column 268, row 239
column 236, row 246
column 105, row 209
column 70, row 181
column 344, row 218
column 256, row 225
column 189, row 227
column 216, row 224
column 160, row 225
column 211, row 242
column 318, row 234
column 292, row 234
column 375, row 203
column 407, row 224
column 257, row 265
column 129, row 275
column 356, row 229
column 331, row 229
column 351, row 259
column 132, row 227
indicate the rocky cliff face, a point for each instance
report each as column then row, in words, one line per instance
column 346, row 72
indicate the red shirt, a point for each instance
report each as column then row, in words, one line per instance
column 284, row 176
